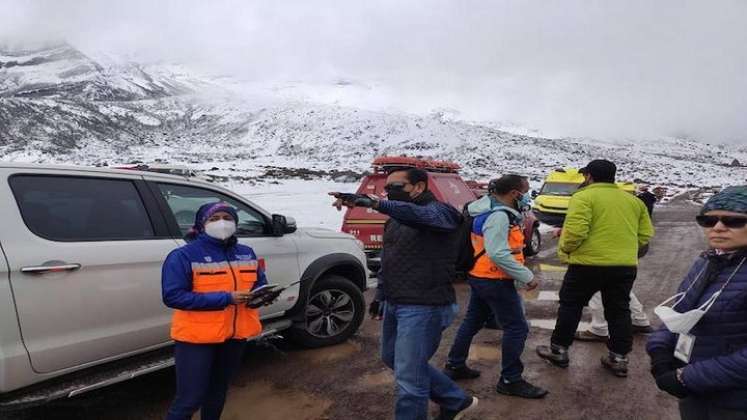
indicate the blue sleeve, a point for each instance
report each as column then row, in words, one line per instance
column 495, row 232
column 176, row 287
column 261, row 274
column 434, row 215
column 723, row 372
column 261, row 279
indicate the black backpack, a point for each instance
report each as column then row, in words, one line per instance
column 466, row 257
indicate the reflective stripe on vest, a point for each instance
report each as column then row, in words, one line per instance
column 217, row 326
column 484, row 267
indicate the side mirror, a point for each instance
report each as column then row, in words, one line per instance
column 290, row 225
column 282, row 225
column 535, row 193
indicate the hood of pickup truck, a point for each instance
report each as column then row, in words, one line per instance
column 322, row 233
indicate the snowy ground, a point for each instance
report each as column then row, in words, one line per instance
column 306, row 201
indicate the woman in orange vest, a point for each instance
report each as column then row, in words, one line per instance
column 208, row 283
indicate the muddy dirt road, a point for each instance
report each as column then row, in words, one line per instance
column 278, row 382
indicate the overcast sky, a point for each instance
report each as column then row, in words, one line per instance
column 615, row 69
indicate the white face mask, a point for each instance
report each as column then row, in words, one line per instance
column 682, row 323
column 220, row 229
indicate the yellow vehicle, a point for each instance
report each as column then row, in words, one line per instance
column 551, row 203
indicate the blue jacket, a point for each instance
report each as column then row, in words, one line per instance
column 718, row 365
column 176, row 278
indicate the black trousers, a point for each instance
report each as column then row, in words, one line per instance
column 579, row 285
column 695, row 409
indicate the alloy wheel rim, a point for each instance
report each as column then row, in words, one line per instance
column 329, row 312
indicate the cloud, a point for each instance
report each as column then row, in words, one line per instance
column 624, row 69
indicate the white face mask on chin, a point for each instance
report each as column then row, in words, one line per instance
column 682, row 323
column 220, row 229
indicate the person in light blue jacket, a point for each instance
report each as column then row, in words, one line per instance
column 498, row 241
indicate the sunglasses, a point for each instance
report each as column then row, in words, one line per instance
column 394, row 186
column 732, row 222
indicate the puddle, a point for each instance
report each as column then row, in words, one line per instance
column 383, row 378
column 330, row 354
column 549, row 324
column 482, row 352
column 261, row 400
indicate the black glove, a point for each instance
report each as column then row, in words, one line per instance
column 662, row 361
column 668, row 382
column 376, row 309
column 358, row 200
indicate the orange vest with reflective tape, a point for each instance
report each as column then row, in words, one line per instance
column 217, row 326
column 484, row 267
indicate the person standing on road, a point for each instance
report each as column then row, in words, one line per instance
column 208, row 282
column 648, row 198
column 498, row 241
column 599, row 330
column 603, row 230
column 700, row 353
column 417, row 269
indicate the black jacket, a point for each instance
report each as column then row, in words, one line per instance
column 419, row 253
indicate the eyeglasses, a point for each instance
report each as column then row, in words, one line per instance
column 732, row 222
column 394, row 186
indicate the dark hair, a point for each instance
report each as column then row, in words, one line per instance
column 506, row 184
column 413, row 175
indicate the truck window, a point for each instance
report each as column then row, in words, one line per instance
column 78, row 209
column 559, row 188
column 184, row 201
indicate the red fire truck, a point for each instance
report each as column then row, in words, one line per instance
column 443, row 180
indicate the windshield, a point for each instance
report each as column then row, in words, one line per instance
column 558, row 188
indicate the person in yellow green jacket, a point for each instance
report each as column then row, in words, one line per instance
column 603, row 230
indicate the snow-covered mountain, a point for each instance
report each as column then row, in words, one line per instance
column 59, row 105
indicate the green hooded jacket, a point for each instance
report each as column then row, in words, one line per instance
column 604, row 226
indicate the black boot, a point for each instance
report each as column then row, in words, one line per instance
column 460, row 372
column 557, row 355
column 616, row 363
column 520, row 388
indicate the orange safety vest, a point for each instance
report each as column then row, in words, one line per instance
column 484, row 267
column 217, row 326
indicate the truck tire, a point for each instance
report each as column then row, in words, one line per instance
column 333, row 313
column 534, row 243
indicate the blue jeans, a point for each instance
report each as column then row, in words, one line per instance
column 410, row 337
column 203, row 372
column 497, row 298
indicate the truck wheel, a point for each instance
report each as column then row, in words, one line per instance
column 534, row 243
column 333, row 313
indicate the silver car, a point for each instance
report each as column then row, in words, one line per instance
column 81, row 251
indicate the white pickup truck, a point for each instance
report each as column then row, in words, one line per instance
column 81, row 251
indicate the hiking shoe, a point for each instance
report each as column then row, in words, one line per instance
column 616, row 364
column 554, row 354
column 520, row 388
column 589, row 336
column 468, row 405
column 460, row 372
column 643, row 330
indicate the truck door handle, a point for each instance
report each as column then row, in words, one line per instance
column 41, row 269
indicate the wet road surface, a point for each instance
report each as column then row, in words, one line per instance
column 280, row 382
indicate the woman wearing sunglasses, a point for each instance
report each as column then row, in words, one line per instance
column 699, row 355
